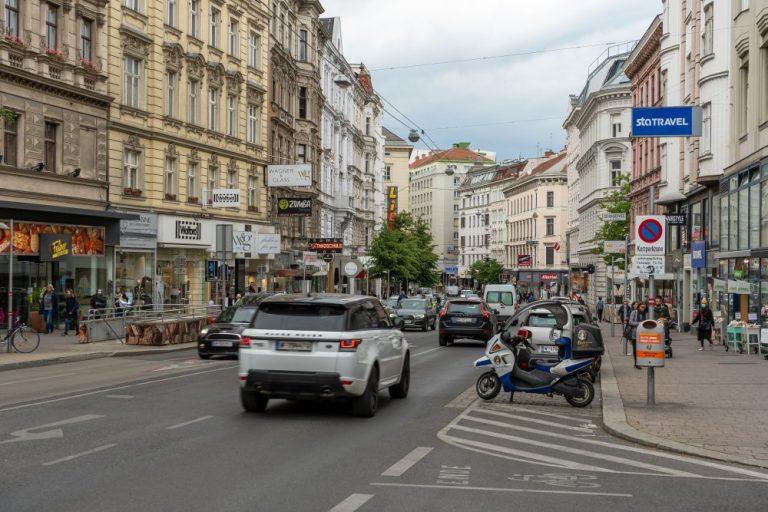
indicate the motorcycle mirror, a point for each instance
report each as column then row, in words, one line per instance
column 505, row 337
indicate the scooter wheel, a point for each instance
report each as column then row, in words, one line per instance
column 488, row 386
column 588, row 393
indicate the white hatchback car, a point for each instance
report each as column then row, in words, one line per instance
column 324, row 346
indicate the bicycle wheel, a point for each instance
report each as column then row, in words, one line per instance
column 25, row 339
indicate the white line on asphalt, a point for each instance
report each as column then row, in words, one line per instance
column 407, row 462
column 529, row 412
column 81, row 454
column 533, row 420
column 179, row 425
column 502, row 489
column 122, row 397
column 352, row 503
column 117, row 388
column 425, row 352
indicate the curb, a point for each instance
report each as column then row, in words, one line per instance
column 615, row 423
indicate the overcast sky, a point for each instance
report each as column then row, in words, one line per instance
column 530, row 90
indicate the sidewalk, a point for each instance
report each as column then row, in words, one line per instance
column 55, row 348
column 711, row 404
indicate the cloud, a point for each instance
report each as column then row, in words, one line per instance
column 398, row 33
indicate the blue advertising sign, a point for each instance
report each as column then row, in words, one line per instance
column 451, row 270
column 698, row 254
column 666, row 121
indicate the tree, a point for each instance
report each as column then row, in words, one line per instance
column 7, row 114
column 405, row 252
column 618, row 201
column 486, row 271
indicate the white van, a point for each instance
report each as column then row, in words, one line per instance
column 502, row 298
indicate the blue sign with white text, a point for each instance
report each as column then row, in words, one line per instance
column 666, row 121
column 698, row 254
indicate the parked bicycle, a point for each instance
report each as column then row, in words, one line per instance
column 22, row 338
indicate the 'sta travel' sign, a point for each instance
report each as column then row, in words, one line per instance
column 666, row 121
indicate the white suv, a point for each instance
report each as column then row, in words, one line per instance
column 323, row 346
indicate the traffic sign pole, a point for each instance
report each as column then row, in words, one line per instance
column 651, row 313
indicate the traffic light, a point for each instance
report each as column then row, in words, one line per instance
column 590, row 269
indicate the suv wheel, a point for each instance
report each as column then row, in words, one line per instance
column 366, row 404
column 253, row 401
column 400, row 390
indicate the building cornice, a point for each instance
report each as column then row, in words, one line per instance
column 54, row 87
column 648, row 47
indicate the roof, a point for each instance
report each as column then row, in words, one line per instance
column 389, row 136
column 550, row 165
column 455, row 154
column 326, row 25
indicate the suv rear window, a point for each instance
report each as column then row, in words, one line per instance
column 541, row 320
column 236, row 315
column 499, row 298
column 301, row 317
column 468, row 308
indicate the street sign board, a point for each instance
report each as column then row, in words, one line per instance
column 524, row 260
column 698, row 254
column 310, row 258
column 650, row 235
column 614, row 246
column 328, row 257
column 351, row 269
column 676, row 219
column 666, row 121
column 294, row 175
column 451, row 270
column 614, row 217
column 650, row 264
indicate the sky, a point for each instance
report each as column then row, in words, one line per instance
column 513, row 105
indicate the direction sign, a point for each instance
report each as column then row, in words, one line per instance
column 614, row 246
column 614, row 217
column 650, row 264
column 649, row 234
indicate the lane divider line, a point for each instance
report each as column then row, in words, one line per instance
column 352, row 503
column 502, row 489
column 190, row 422
column 407, row 462
column 81, row 454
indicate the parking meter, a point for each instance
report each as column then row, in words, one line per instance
column 650, row 344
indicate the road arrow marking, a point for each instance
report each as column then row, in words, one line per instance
column 27, row 435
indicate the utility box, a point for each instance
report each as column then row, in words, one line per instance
column 650, row 344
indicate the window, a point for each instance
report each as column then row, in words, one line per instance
column 194, row 18
column 550, row 227
column 302, row 102
column 707, row 37
column 615, row 173
column 301, row 153
column 724, row 222
column 12, row 18
column 744, row 5
column 51, row 26
column 213, row 180
column 232, row 37
column 192, row 181
column 289, row 44
column 302, row 45
column 132, row 79
column 170, row 12
column 194, row 102
column 213, row 108
column 10, row 141
column 232, row 178
column 132, row 4
column 463, row 241
column 253, row 123
column 388, row 173
column 252, row 197
column 367, row 125
column 743, row 234
column 463, row 222
column 170, row 93
column 754, row 213
column 743, row 95
column 231, row 115
column 706, row 128
column 550, row 199
column 49, row 157
column 215, row 16
column 131, row 169
column 764, row 218
column 550, row 256
column 86, row 53
column 254, row 45
column 615, row 125
column 169, row 178
column 764, row 95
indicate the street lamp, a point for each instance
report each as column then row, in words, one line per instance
column 3, row 225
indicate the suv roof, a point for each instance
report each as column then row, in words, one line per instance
column 339, row 299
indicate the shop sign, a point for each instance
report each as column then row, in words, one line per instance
column 294, row 206
column 326, row 244
column 525, row 277
column 188, row 230
column 145, row 225
column 699, row 254
column 682, row 121
column 225, row 198
column 55, row 247
column 719, row 285
column 614, row 246
column 297, row 175
column 391, row 206
column 243, row 241
column 523, row 260
column 549, row 277
column 739, row 287
column 85, row 240
column 676, row 219
column 267, row 243
column 452, row 270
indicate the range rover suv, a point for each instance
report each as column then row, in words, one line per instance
column 323, row 347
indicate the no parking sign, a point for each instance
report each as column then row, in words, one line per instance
column 650, row 234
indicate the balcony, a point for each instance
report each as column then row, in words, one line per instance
column 344, row 202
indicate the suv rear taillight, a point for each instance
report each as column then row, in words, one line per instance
column 444, row 311
column 485, row 312
column 245, row 342
column 349, row 345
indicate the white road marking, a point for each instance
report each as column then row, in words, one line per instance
column 531, row 412
column 196, row 420
column 407, row 462
column 81, row 454
column 33, row 379
column 352, row 503
column 122, row 397
column 425, row 352
column 502, row 489
column 534, row 420
column 117, row 388
column 26, row 435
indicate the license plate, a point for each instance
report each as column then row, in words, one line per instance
column 300, row 346
column 464, row 320
column 548, row 349
column 221, row 343
column 408, row 321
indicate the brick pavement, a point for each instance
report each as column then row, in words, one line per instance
column 711, row 403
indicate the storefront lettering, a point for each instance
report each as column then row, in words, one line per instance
column 59, row 248
column 188, row 230
column 661, row 121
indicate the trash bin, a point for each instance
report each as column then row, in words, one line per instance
column 650, row 344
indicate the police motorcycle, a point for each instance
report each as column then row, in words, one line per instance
column 512, row 364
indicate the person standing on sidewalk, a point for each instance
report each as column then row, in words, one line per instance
column 661, row 311
column 637, row 316
column 49, row 305
column 624, row 311
column 706, row 321
column 71, row 310
column 599, row 307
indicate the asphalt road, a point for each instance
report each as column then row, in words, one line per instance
column 166, row 433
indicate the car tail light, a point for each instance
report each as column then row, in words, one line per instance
column 444, row 311
column 485, row 312
column 245, row 342
column 525, row 333
column 349, row 345
column 346, row 382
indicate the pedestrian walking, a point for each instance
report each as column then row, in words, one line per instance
column 706, row 321
column 624, row 311
column 599, row 307
column 638, row 315
column 71, row 310
column 49, row 305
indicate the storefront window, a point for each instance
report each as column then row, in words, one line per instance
column 715, row 221
column 754, row 215
column 754, row 286
column 733, row 221
column 180, row 275
column 764, row 220
column 133, row 273
column 743, row 213
column 696, row 222
column 764, row 290
column 724, row 222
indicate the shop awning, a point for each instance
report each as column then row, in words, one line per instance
column 45, row 212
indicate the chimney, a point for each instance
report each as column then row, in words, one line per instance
column 549, row 153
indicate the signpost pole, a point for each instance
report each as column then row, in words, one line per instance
column 10, row 287
column 651, row 313
column 626, row 287
column 613, row 297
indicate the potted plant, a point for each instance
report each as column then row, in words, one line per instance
column 36, row 320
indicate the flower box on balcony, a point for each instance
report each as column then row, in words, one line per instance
column 133, row 192
column 193, row 200
column 89, row 65
column 54, row 53
column 170, row 197
column 253, row 209
column 10, row 38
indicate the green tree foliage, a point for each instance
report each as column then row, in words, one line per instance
column 7, row 114
column 486, row 271
column 618, row 201
column 406, row 251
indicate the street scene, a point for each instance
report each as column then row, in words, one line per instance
column 345, row 256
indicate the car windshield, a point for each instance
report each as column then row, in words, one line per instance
column 504, row 298
column 578, row 318
column 412, row 304
column 468, row 308
column 391, row 302
column 541, row 320
column 236, row 316
column 301, row 317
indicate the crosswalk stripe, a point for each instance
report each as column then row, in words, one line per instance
column 529, row 412
column 583, row 430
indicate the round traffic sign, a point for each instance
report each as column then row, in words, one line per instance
column 650, row 231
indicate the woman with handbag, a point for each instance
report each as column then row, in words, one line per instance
column 706, row 321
